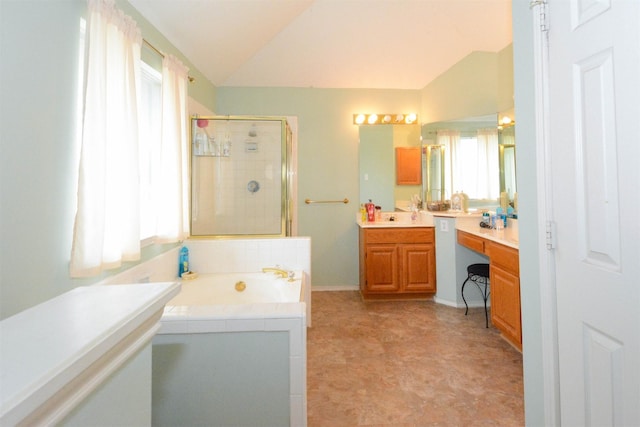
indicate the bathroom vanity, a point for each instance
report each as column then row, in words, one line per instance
column 397, row 259
column 501, row 247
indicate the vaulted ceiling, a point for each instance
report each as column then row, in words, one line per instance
column 389, row 44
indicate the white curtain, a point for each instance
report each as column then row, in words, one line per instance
column 106, row 230
column 488, row 173
column 471, row 163
column 172, row 190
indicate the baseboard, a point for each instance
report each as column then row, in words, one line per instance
column 335, row 288
column 472, row 304
column 445, row 302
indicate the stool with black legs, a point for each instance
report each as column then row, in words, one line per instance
column 478, row 274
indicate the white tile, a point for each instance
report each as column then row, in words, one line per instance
column 206, row 326
column 243, row 325
column 173, row 327
column 298, row 412
column 297, row 375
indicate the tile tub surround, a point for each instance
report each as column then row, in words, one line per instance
column 251, row 255
column 227, row 256
column 408, row 363
column 200, row 322
column 240, row 255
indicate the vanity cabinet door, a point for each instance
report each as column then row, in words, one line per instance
column 417, row 268
column 505, row 292
column 472, row 242
column 382, row 268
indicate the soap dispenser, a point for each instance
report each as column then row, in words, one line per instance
column 183, row 264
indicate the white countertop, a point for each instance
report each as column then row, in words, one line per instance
column 401, row 220
column 507, row 236
column 44, row 348
column 458, row 214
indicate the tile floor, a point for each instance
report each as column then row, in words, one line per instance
column 408, row 363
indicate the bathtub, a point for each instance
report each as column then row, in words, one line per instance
column 231, row 350
column 239, row 289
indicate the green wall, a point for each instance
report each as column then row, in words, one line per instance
column 479, row 84
column 530, row 214
column 39, row 45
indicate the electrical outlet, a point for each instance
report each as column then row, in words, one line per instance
column 444, row 225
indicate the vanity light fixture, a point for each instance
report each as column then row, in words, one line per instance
column 505, row 121
column 385, row 119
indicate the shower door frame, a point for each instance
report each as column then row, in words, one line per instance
column 287, row 175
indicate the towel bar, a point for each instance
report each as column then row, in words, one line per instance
column 309, row 201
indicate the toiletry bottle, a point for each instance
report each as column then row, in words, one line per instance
column 371, row 211
column 183, row 265
column 363, row 213
column 486, row 218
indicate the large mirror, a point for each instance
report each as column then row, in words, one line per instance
column 471, row 160
column 472, row 155
column 507, row 159
column 377, row 164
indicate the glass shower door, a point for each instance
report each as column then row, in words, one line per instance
column 239, row 174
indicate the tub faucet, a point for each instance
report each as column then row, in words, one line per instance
column 280, row 272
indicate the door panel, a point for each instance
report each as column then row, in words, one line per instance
column 418, row 268
column 594, row 69
column 382, row 268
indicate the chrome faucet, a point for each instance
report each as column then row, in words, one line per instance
column 280, row 272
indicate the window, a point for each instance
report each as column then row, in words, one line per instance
column 130, row 180
column 471, row 163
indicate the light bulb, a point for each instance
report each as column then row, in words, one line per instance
column 360, row 119
column 372, row 119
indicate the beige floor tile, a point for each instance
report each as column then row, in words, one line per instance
column 408, row 363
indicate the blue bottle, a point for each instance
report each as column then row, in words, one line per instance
column 183, row 264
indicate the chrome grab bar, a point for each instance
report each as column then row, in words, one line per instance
column 309, row 201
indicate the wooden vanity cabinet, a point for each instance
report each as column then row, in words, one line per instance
column 472, row 242
column 505, row 291
column 408, row 165
column 504, row 284
column 397, row 262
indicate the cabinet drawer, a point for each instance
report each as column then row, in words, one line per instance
column 472, row 242
column 505, row 257
column 399, row 235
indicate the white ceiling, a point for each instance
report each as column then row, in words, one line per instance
column 389, row 44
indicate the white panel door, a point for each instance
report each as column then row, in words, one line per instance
column 594, row 134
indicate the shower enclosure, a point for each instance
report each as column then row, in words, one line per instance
column 240, row 176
